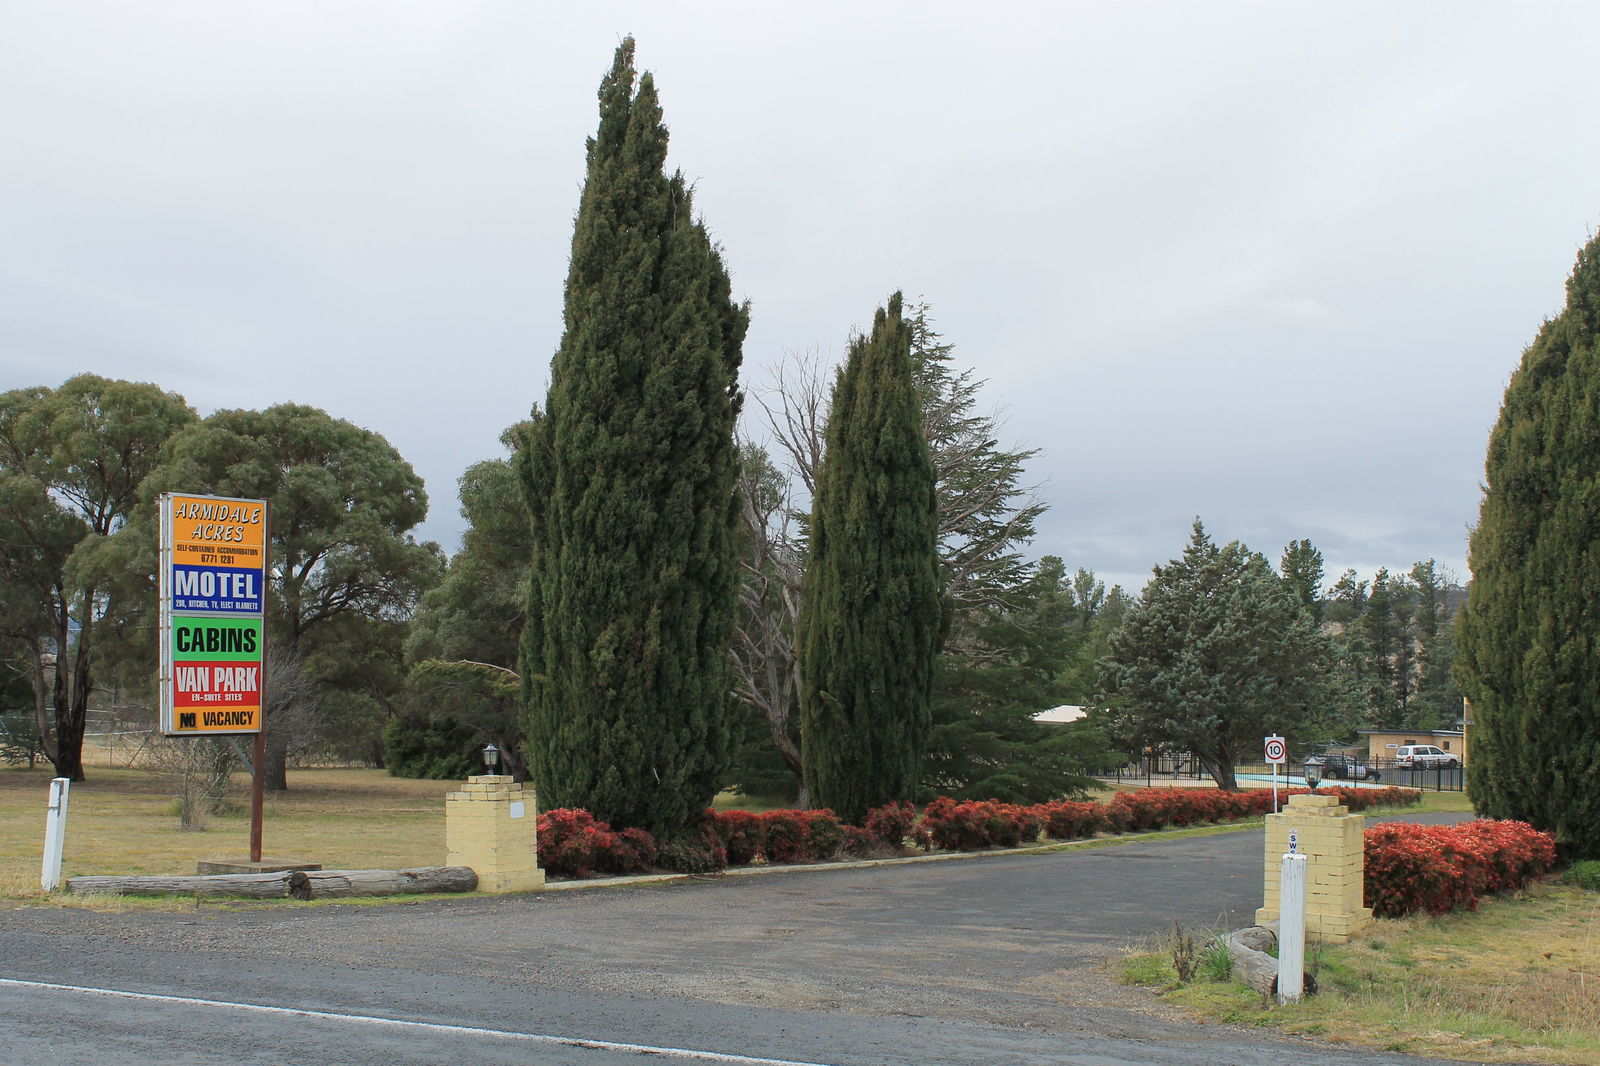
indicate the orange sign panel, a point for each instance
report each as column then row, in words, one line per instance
column 208, row 531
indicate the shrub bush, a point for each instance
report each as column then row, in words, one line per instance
column 824, row 835
column 740, row 834
column 696, row 855
column 573, row 844
column 892, row 823
column 862, row 843
column 1067, row 820
column 1584, row 874
column 1438, row 868
column 783, row 835
column 972, row 824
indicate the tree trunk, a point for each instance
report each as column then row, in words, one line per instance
column 42, row 707
column 71, row 707
column 1220, row 767
column 276, row 771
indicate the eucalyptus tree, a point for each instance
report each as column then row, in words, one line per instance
column 345, row 567
column 72, row 463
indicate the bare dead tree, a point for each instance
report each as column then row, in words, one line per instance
column 766, row 669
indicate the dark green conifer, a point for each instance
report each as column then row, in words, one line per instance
column 1530, row 637
column 872, row 621
column 629, row 476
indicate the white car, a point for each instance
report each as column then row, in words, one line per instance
column 1424, row 757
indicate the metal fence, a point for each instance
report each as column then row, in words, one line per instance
column 1174, row 767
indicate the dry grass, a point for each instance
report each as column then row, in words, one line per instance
column 1517, row 981
column 124, row 821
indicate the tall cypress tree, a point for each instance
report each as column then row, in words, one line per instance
column 872, row 620
column 629, row 475
column 1529, row 642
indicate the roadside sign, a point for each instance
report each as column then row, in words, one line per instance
column 213, row 579
column 1276, row 753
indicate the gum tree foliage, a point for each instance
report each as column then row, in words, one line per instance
column 71, row 463
column 630, row 483
column 873, row 616
column 346, row 570
column 1529, row 654
column 461, row 652
column 1217, row 653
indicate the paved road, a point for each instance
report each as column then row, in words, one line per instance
column 989, row 960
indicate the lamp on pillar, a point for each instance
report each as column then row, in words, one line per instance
column 1313, row 772
column 491, row 757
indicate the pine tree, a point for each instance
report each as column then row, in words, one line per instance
column 1301, row 567
column 1529, row 647
column 629, row 477
column 1219, row 652
column 872, row 620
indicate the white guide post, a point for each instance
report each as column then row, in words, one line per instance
column 1292, row 924
column 55, row 834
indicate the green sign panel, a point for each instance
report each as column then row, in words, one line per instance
column 216, row 639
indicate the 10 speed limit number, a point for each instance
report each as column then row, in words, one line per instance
column 1275, row 751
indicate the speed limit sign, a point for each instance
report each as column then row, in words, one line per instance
column 1275, row 750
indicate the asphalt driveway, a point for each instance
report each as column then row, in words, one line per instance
column 993, row 959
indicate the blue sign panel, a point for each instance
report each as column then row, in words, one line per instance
column 218, row 589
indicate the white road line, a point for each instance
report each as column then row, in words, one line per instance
column 368, row 1019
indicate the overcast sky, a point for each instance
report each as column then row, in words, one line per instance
column 1266, row 263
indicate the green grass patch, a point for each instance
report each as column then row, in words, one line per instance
column 121, row 821
column 1516, row 981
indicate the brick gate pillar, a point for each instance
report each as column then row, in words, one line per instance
column 1332, row 840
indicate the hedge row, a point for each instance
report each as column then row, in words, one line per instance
column 573, row 844
column 1440, row 868
column 971, row 824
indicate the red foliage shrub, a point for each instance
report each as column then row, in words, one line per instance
column 861, row 843
column 892, row 823
column 1157, row 808
column 699, row 852
column 824, row 835
column 972, row 824
column 740, row 833
column 1066, row 820
column 571, row 843
column 783, row 835
column 1364, row 799
column 1438, row 868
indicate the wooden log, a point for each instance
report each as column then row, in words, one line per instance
column 1255, row 938
column 1256, row 969
column 250, row 886
column 331, row 884
column 1247, row 953
column 298, row 884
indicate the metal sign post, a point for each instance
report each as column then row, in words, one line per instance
column 1277, row 755
column 213, row 624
